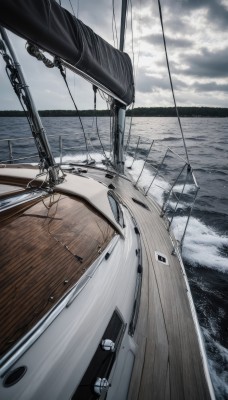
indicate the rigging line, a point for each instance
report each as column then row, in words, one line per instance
column 78, row 3
column 113, row 36
column 72, row 8
column 114, row 23
column 129, row 133
column 108, row 101
column 96, row 124
column 139, row 38
column 63, row 73
column 171, row 82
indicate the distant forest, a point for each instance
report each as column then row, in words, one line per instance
column 137, row 112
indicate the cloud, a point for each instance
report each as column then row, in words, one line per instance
column 207, row 64
column 149, row 83
column 217, row 11
column 210, row 87
column 177, row 42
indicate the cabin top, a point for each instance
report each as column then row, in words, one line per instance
column 48, row 242
column 95, row 193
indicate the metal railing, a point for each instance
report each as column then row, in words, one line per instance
column 166, row 208
column 10, row 145
column 11, row 158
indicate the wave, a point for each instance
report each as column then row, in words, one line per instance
column 210, row 170
column 202, row 246
column 170, row 139
column 159, row 185
column 217, row 358
column 189, row 188
column 81, row 158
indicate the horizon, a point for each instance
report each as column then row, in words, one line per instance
column 135, row 108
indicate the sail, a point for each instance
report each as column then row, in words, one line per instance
column 54, row 29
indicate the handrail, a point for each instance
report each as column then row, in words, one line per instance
column 165, row 209
column 144, row 162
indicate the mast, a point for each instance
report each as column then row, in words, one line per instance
column 119, row 109
column 21, row 88
column 123, row 23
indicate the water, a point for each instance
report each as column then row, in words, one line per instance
column 205, row 247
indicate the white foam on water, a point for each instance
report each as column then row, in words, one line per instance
column 219, row 374
column 183, row 206
column 81, row 157
column 159, row 185
column 202, row 244
column 188, row 188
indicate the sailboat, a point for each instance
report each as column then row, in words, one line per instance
column 95, row 302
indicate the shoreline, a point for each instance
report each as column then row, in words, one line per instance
column 184, row 112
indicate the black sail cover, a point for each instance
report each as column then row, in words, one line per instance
column 54, row 29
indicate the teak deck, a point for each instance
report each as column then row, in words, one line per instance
column 45, row 249
column 169, row 364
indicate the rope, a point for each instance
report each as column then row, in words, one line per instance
column 171, row 83
column 34, row 51
column 129, row 132
column 139, row 39
column 97, row 130
column 63, row 73
column 78, row 4
column 114, row 34
column 72, row 8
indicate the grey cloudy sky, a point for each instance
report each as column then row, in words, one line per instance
column 197, row 43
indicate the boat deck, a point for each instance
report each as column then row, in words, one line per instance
column 168, row 343
column 46, row 246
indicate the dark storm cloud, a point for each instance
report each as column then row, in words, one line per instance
column 217, row 13
column 210, row 87
column 156, row 39
column 206, row 64
column 147, row 83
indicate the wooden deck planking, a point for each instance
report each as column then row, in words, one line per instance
column 38, row 259
column 168, row 364
column 172, row 367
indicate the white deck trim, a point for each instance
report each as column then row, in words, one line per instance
column 82, row 186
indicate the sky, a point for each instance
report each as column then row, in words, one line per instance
column 197, row 44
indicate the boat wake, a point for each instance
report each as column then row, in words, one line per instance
column 202, row 245
column 216, row 361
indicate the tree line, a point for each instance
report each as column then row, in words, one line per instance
column 137, row 112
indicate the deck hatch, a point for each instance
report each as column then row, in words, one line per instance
column 115, row 207
column 140, row 203
column 161, row 258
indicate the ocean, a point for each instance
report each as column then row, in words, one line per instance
column 205, row 245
